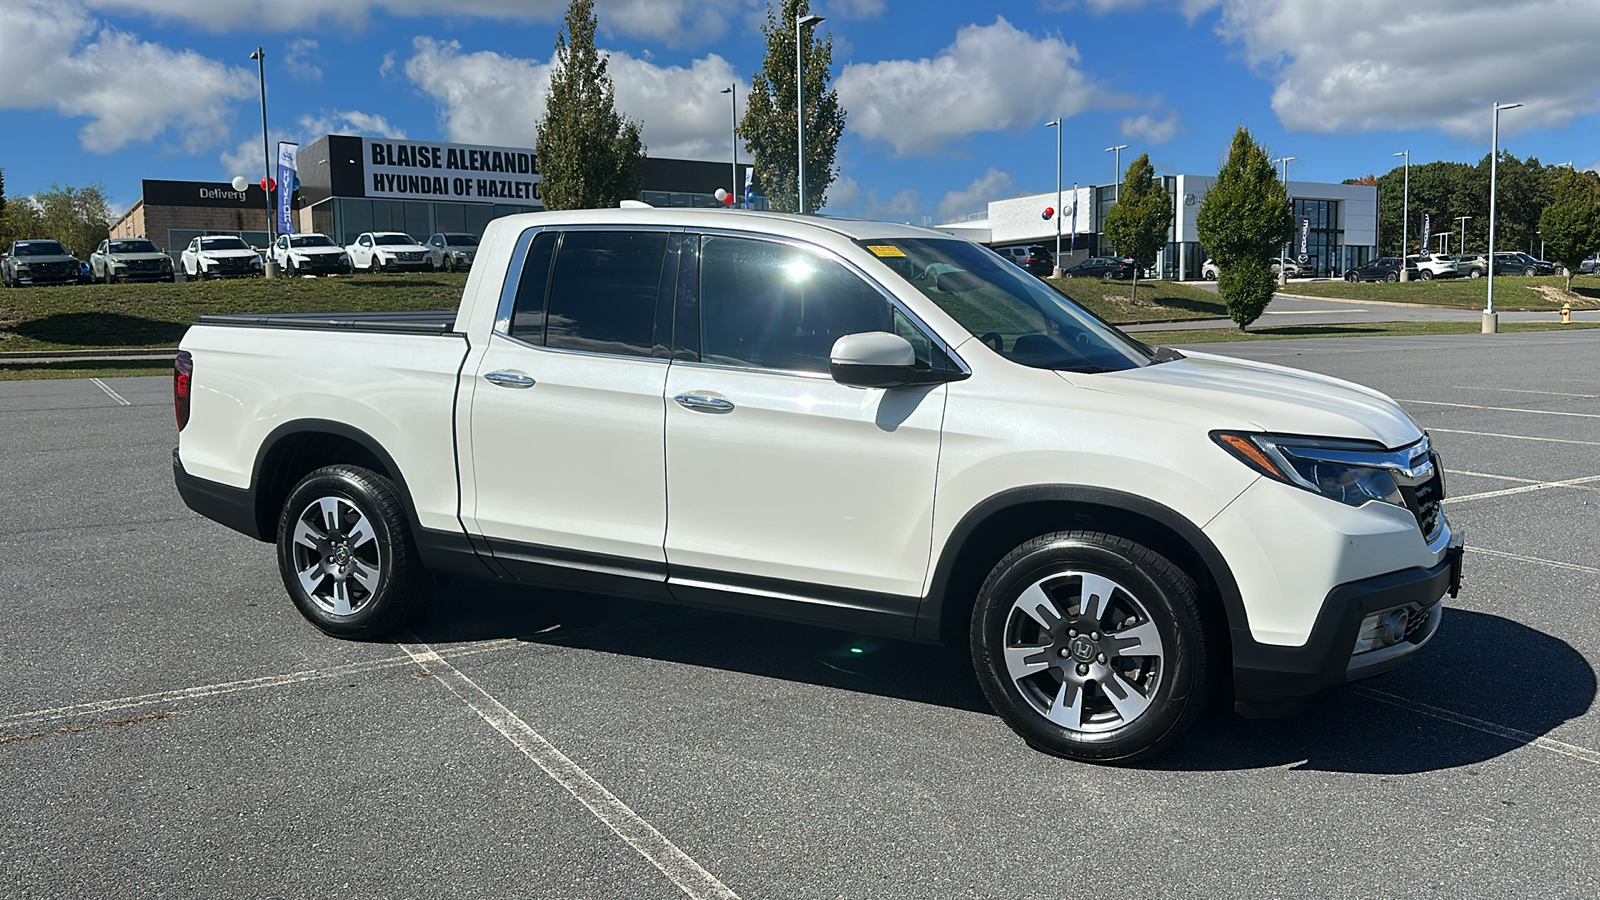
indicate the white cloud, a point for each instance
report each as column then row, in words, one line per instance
column 1149, row 128
column 489, row 98
column 350, row 121
column 54, row 55
column 846, row 197
column 303, row 60
column 974, row 197
column 843, row 195
column 993, row 78
column 1363, row 65
column 246, row 157
column 671, row 21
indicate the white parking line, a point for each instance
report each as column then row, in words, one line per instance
column 95, row 708
column 1536, row 412
column 1487, row 475
column 110, row 393
column 1516, row 437
column 1471, row 387
column 1534, row 559
column 678, row 866
column 1537, row 486
column 1514, row 734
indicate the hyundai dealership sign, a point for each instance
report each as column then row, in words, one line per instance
column 425, row 170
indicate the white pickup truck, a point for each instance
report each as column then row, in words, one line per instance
column 855, row 424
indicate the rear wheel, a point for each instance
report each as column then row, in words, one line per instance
column 1529, row 272
column 1351, row 276
column 1474, row 273
column 1426, row 275
column 1091, row 646
column 346, row 554
column 1107, row 276
column 1392, row 276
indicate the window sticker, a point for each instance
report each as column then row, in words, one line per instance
column 885, row 250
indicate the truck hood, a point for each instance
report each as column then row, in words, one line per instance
column 135, row 257
column 34, row 260
column 315, row 251
column 1271, row 398
column 399, row 248
column 229, row 254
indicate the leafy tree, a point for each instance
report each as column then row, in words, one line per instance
column 1244, row 219
column 768, row 127
column 2, row 194
column 80, row 218
column 1570, row 225
column 588, row 152
column 1137, row 225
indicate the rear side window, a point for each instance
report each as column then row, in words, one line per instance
column 527, row 315
column 771, row 306
column 605, row 291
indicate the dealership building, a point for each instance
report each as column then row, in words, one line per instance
column 1336, row 224
column 349, row 185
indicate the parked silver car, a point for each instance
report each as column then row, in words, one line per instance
column 38, row 262
column 129, row 259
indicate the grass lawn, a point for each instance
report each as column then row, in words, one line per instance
column 1511, row 292
column 1365, row 329
column 1158, row 300
column 89, row 368
column 100, row 317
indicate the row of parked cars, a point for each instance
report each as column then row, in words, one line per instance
column 1437, row 265
column 1038, row 260
column 43, row 262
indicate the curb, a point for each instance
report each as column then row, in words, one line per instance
column 30, row 356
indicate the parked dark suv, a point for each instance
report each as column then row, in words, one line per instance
column 1100, row 267
column 1037, row 259
column 1385, row 268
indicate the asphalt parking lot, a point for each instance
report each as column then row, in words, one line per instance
column 169, row 725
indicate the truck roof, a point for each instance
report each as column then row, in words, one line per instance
column 694, row 217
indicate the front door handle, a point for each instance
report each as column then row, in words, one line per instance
column 704, row 403
column 510, row 379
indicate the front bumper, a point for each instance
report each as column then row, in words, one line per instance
column 1272, row 680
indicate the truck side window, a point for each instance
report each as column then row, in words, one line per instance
column 605, row 290
column 527, row 315
column 772, row 306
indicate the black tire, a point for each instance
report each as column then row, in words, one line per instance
column 1474, row 273
column 449, row 264
column 1529, row 272
column 1068, row 275
column 1426, row 275
column 1392, row 276
column 1351, row 277
column 1146, row 590
column 1108, row 275
column 382, row 579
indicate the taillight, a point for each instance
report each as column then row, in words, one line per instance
column 182, row 378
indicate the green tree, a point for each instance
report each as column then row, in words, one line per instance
column 588, row 153
column 1570, row 225
column 80, row 218
column 1244, row 219
column 769, row 124
column 1137, row 225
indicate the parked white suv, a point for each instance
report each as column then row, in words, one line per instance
column 855, row 424
column 388, row 251
column 1434, row 265
column 310, row 254
column 220, row 256
column 1209, row 269
column 453, row 251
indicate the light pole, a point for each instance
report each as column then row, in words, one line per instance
column 1491, row 319
column 1463, row 221
column 1405, row 218
column 733, row 92
column 1116, row 171
column 800, row 23
column 270, row 270
column 1056, row 270
column 1283, row 270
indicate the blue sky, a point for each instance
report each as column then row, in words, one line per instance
column 946, row 99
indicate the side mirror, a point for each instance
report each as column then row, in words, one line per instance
column 875, row 359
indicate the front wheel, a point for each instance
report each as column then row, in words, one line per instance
column 1529, row 272
column 1426, row 275
column 346, row 554
column 1351, row 277
column 449, row 264
column 1091, row 646
column 1392, row 276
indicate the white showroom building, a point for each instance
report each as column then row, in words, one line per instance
column 1340, row 224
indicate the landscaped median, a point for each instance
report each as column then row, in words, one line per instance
column 1364, row 329
column 1512, row 293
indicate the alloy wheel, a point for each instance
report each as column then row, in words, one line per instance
column 337, row 556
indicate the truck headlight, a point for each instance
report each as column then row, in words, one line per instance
column 1351, row 472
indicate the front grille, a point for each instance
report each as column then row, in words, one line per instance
column 408, row 257
column 144, row 264
column 234, row 262
column 54, row 268
column 1424, row 502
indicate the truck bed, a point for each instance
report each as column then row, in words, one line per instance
column 440, row 321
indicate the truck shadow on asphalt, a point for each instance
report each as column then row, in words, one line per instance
column 1512, row 682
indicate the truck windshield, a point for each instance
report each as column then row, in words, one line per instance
column 310, row 240
column 132, row 247
column 391, row 239
column 41, row 248
column 1014, row 313
column 462, row 240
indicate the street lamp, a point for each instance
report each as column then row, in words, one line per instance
column 1116, row 171
column 260, row 56
column 1283, row 270
column 1056, row 269
column 1491, row 319
column 732, row 91
column 800, row 23
column 1405, row 219
column 1463, row 221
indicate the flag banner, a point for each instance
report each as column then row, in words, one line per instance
column 288, row 155
column 1427, row 231
column 1304, row 255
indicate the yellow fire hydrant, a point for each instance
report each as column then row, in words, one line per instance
column 1566, row 313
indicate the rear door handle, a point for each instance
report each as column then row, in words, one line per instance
column 510, row 379
column 704, row 403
